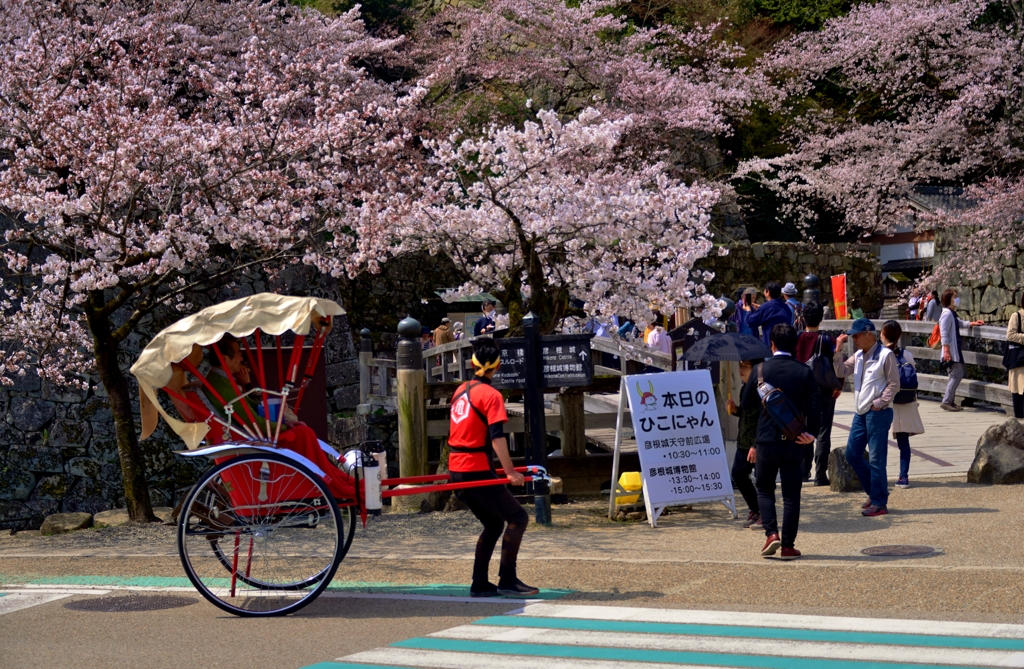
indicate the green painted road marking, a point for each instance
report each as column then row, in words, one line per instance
column 755, row 632
column 432, row 589
column 637, row 655
column 348, row 665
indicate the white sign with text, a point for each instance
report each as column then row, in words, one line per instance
column 679, row 440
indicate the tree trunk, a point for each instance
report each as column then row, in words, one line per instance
column 133, row 467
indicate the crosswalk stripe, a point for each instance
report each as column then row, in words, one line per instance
column 403, row 658
column 658, row 656
column 779, row 620
column 862, row 652
column 748, row 632
column 570, row 636
column 16, row 601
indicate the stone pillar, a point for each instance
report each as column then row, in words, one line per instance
column 412, row 411
column 365, row 359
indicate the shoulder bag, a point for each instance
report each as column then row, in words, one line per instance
column 1014, row 356
column 779, row 408
column 823, row 369
column 908, row 381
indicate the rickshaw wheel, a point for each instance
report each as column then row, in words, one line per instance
column 225, row 553
column 274, row 526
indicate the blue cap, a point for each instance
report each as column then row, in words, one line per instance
column 861, row 325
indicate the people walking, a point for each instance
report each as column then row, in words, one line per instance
column 813, row 342
column 796, row 307
column 771, row 313
column 906, row 417
column 952, row 346
column 477, row 431
column 741, row 465
column 773, row 454
column 933, row 307
column 855, row 310
column 458, row 331
column 443, row 334
column 485, row 324
column 659, row 340
column 876, row 380
column 1015, row 355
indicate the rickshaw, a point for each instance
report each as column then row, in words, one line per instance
column 264, row 529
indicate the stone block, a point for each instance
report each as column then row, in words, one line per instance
column 111, row 518
column 999, row 456
column 805, row 259
column 94, row 410
column 342, row 373
column 60, row 523
column 841, row 476
column 35, row 459
column 26, row 383
column 63, row 394
column 1011, row 277
column 89, row 496
column 52, row 487
column 994, row 299
column 16, row 484
column 346, row 398
column 92, row 468
column 70, row 433
column 25, row 515
column 30, row 414
column 757, row 250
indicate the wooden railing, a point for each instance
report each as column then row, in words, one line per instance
column 986, row 391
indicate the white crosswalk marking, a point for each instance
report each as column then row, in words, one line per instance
column 12, row 602
column 560, row 636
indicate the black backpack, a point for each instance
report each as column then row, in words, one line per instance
column 908, row 381
column 779, row 408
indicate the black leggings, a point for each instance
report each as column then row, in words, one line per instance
column 1018, row 405
column 494, row 506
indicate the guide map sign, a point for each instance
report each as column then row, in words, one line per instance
column 679, row 440
column 566, row 362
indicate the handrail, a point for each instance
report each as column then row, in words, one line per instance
column 989, row 332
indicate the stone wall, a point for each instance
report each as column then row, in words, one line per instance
column 991, row 298
column 756, row 264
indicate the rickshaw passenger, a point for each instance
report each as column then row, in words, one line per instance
column 477, row 431
column 295, row 435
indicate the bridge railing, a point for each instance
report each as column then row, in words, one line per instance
column 986, row 391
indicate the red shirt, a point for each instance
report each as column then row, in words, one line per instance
column 471, row 415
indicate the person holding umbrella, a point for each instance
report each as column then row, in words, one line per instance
column 748, row 351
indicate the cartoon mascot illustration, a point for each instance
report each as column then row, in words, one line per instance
column 647, row 398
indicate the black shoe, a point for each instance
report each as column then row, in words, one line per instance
column 517, row 589
column 818, row 484
column 483, row 590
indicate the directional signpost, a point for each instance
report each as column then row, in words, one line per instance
column 534, row 364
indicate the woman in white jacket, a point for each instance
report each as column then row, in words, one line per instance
column 906, row 419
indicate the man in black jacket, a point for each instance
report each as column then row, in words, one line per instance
column 773, row 454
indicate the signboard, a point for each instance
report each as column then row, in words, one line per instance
column 682, row 455
column 839, row 296
column 566, row 362
column 688, row 334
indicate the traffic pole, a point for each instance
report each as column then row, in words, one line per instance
column 533, row 401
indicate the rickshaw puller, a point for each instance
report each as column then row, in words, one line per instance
column 478, row 420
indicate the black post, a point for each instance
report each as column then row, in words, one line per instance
column 533, row 401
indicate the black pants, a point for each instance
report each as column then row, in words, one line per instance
column 494, row 506
column 1018, row 405
column 741, row 478
column 817, row 453
column 785, row 458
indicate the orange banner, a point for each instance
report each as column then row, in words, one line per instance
column 839, row 296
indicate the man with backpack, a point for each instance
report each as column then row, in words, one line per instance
column 876, row 380
column 787, row 395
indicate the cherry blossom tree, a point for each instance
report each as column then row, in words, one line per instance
column 545, row 214
column 898, row 94
column 682, row 88
column 151, row 150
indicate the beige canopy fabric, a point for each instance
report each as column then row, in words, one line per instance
column 272, row 314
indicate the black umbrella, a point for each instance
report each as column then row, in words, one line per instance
column 728, row 346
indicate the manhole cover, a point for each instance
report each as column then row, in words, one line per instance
column 897, row 551
column 130, row 603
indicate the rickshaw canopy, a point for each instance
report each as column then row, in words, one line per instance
column 271, row 314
